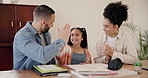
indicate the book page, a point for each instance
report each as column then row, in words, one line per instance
column 89, row 67
column 48, row 67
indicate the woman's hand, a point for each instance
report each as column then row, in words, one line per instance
column 108, row 50
column 107, row 59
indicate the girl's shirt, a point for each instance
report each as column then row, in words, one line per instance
column 67, row 57
column 78, row 58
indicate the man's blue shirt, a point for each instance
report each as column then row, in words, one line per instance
column 28, row 50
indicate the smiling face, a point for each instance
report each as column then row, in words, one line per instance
column 109, row 28
column 76, row 37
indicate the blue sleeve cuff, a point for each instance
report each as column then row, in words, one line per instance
column 60, row 43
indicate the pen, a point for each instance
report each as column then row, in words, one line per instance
column 76, row 74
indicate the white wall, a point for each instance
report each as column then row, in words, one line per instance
column 88, row 14
column 141, row 14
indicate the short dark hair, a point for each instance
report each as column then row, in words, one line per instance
column 116, row 13
column 43, row 11
column 84, row 36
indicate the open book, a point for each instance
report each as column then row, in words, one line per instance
column 45, row 70
column 91, row 69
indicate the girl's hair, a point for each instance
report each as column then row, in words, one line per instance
column 84, row 36
column 116, row 13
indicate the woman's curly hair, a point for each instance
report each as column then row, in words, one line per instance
column 116, row 13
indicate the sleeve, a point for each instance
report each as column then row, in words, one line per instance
column 99, row 58
column 64, row 56
column 88, row 59
column 28, row 45
column 130, row 55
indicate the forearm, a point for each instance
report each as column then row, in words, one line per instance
column 125, row 58
column 51, row 50
column 40, row 53
column 99, row 59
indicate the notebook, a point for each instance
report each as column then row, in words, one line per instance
column 45, row 70
column 91, row 69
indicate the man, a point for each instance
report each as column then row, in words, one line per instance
column 32, row 44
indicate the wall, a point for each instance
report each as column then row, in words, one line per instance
column 141, row 14
column 88, row 14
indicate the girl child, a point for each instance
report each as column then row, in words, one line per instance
column 75, row 52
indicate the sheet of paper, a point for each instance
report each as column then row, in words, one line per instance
column 121, row 73
column 48, row 67
column 89, row 67
column 64, row 74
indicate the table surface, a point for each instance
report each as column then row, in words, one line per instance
column 32, row 74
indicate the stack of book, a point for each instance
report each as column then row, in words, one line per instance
column 92, row 69
column 45, row 70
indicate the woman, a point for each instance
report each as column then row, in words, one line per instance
column 76, row 51
column 115, row 43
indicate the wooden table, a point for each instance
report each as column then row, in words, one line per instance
column 144, row 72
column 32, row 74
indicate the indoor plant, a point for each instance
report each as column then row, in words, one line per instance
column 142, row 39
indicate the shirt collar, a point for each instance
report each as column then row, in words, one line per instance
column 32, row 29
column 118, row 36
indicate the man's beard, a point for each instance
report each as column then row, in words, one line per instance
column 46, row 28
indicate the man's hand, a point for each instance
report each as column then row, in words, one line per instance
column 64, row 33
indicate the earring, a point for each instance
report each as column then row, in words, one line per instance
column 115, row 34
